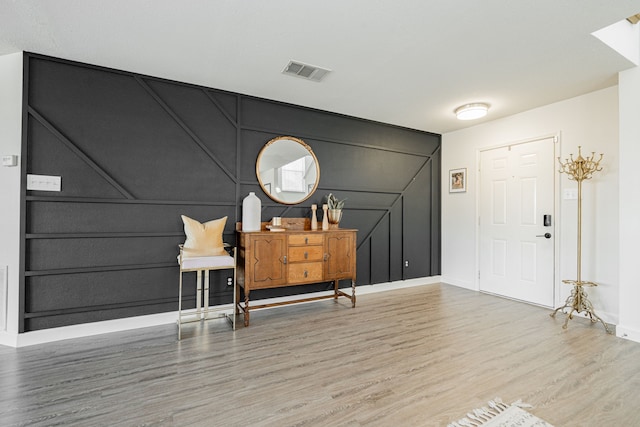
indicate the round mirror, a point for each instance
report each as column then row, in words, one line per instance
column 287, row 170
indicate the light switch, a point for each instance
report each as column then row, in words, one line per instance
column 10, row 160
column 43, row 182
column 570, row 194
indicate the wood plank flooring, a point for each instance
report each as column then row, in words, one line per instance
column 422, row 356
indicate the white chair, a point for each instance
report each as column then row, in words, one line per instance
column 194, row 259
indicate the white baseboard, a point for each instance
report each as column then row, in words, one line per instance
column 606, row 316
column 3, row 297
column 400, row 284
column 86, row 329
column 459, row 283
column 8, row 340
column 628, row 333
column 118, row 325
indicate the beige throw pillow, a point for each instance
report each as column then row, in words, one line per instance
column 204, row 239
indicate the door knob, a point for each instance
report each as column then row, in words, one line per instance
column 545, row 235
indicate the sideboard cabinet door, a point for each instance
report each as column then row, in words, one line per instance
column 341, row 256
column 266, row 256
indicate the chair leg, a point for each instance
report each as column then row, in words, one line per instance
column 180, row 309
column 235, row 301
column 198, row 294
column 205, row 313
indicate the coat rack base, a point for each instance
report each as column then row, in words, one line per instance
column 578, row 302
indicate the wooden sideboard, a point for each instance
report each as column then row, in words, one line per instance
column 296, row 256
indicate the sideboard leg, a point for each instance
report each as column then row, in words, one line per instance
column 353, row 293
column 236, row 303
column 336, row 284
column 246, row 308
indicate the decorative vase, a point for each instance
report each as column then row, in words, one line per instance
column 251, row 208
column 314, row 218
column 325, row 220
column 334, row 215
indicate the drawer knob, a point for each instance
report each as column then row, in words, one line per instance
column 306, row 274
column 306, row 240
column 306, row 255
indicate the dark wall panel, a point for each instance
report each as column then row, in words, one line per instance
column 436, row 213
column 417, row 217
column 207, row 119
column 48, row 155
column 264, row 114
column 85, row 252
column 48, row 216
column 380, row 255
column 80, row 290
column 395, row 247
column 378, row 170
column 135, row 152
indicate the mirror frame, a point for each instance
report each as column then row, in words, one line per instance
column 309, row 150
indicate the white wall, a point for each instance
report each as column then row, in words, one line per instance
column 590, row 121
column 10, row 143
column 629, row 93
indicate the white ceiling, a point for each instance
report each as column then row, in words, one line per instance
column 405, row 62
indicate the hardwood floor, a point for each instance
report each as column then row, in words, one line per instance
column 422, row 356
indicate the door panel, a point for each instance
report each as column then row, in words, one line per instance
column 516, row 191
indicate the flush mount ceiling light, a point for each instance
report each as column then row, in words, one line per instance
column 634, row 19
column 472, row 111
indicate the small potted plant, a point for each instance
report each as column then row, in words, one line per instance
column 334, row 213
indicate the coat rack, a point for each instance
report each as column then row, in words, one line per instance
column 579, row 170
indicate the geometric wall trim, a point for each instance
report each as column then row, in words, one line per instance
column 135, row 152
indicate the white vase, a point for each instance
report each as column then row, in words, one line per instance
column 251, row 210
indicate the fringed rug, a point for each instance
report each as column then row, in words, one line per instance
column 499, row 414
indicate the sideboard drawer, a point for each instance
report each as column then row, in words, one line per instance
column 305, row 272
column 306, row 239
column 305, row 253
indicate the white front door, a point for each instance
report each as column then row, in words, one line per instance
column 516, row 192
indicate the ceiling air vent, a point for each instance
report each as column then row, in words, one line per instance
column 306, row 71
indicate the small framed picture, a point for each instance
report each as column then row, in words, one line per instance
column 458, row 180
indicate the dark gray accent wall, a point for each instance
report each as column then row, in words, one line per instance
column 135, row 152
